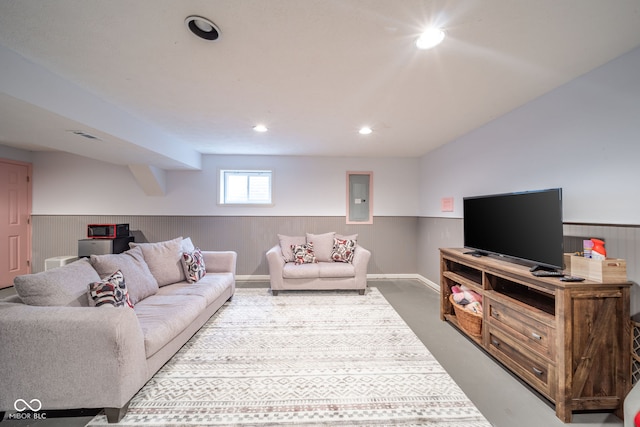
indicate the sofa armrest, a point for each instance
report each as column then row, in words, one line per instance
column 361, row 258
column 276, row 263
column 220, row 261
column 70, row 357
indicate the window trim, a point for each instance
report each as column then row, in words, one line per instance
column 221, row 187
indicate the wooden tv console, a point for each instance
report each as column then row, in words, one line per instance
column 570, row 341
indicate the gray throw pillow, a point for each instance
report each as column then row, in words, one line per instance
column 138, row 279
column 62, row 286
column 164, row 260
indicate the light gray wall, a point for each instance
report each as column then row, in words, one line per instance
column 583, row 137
column 66, row 184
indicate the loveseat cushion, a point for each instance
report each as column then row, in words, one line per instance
column 62, row 286
column 163, row 317
column 320, row 269
column 164, row 260
column 336, row 269
column 140, row 282
column 322, row 245
column 286, row 242
column 300, row 271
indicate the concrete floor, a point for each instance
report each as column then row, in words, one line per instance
column 502, row 398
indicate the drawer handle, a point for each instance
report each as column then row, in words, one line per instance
column 536, row 371
column 496, row 343
column 536, row 336
column 496, row 314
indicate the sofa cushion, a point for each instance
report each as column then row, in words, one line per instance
column 163, row 317
column 164, row 260
column 303, row 254
column 301, row 271
column 286, row 242
column 322, row 245
column 343, row 250
column 61, row 286
column 110, row 291
column 336, row 269
column 140, row 281
column 186, row 245
column 209, row 287
column 193, row 265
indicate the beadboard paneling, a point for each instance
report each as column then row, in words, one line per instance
column 392, row 240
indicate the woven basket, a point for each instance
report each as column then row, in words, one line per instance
column 469, row 321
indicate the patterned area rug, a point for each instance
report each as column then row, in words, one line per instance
column 304, row 358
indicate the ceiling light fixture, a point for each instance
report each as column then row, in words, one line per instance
column 430, row 38
column 365, row 130
column 260, row 128
column 202, row 27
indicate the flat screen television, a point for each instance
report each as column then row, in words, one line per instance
column 525, row 226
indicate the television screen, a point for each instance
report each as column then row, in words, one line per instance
column 526, row 226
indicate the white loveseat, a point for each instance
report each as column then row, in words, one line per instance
column 70, row 340
column 326, row 261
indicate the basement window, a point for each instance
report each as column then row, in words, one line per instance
column 245, row 187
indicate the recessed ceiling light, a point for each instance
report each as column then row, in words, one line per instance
column 365, row 130
column 430, row 38
column 202, row 27
column 260, row 128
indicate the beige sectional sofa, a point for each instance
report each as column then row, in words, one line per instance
column 58, row 347
column 318, row 262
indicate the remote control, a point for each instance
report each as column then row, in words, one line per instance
column 572, row 279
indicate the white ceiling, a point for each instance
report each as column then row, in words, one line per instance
column 313, row 71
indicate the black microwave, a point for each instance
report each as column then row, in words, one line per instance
column 107, row 231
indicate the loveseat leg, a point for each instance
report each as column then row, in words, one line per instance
column 274, row 292
column 362, row 291
column 1, row 416
column 115, row 415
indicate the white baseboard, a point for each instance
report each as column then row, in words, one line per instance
column 424, row 280
column 252, row 278
column 418, row 277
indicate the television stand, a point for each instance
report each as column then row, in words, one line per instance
column 570, row 341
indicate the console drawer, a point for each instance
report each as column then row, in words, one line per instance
column 534, row 333
column 537, row 371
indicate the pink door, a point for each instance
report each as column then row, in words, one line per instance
column 15, row 220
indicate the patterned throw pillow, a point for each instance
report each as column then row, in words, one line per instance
column 193, row 265
column 303, row 254
column 110, row 291
column 343, row 250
